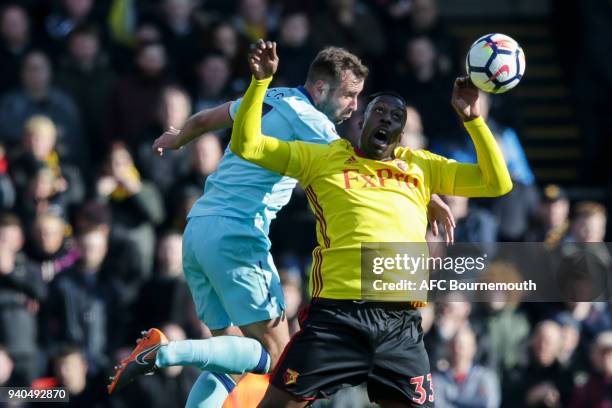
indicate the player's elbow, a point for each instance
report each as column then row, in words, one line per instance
column 238, row 149
column 242, row 150
column 503, row 187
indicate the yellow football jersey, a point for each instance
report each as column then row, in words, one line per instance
column 359, row 200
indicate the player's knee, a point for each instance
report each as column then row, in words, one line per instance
column 275, row 348
column 273, row 336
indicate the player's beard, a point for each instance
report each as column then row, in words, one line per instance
column 330, row 107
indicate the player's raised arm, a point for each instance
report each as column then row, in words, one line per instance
column 490, row 177
column 208, row 120
column 247, row 140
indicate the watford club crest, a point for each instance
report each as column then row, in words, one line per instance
column 290, row 376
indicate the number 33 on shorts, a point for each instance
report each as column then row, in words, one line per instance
column 421, row 391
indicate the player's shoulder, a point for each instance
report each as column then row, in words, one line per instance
column 294, row 100
column 407, row 153
column 340, row 146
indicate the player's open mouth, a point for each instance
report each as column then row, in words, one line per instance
column 380, row 137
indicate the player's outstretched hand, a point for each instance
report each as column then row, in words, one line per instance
column 263, row 60
column 465, row 99
column 168, row 140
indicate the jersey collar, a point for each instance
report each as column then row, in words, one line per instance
column 306, row 93
column 360, row 153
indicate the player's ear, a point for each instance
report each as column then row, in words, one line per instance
column 322, row 88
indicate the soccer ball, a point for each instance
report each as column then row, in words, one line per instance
column 495, row 63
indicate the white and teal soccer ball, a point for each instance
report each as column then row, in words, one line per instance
column 495, row 63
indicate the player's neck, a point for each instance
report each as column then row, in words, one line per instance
column 311, row 92
column 361, row 153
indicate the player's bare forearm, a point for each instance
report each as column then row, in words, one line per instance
column 205, row 121
column 488, row 178
column 208, row 120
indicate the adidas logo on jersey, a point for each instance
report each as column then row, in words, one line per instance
column 351, row 160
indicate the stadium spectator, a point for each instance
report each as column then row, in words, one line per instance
column 42, row 194
column 21, row 291
column 213, row 81
column 39, row 145
column 85, row 74
column 182, row 34
column 184, row 198
column 254, row 19
column 349, row 24
column 474, row 225
column 511, row 146
column 294, row 49
column 71, row 371
column 225, row 39
column 552, row 221
column 15, row 42
column 174, row 109
column 406, row 20
column 595, row 392
column 465, row 383
column 129, row 39
column 136, row 204
column 516, row 210
column 571, row 357
column 413, row 136
column 84, row 301
column 425, row 85
column 61, row 22
column 135, row 97
column 36, row 96
column 501, row 326
column 125, row 268
column 166, row 296
column 542, row 381
column 588, row 222
column 49, row 247
column 452, row 313
column 204, row 156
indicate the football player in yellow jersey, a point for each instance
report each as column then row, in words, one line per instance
column 377, row 192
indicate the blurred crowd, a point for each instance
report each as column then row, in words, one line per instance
column 91, row 219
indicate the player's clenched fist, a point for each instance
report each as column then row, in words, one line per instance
column 263, row 60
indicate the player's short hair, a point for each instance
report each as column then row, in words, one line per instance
column 588, row 209
column 373, row 97
column 8, row 219
column 387, row 93
column 330, row 64
column 40, row 123
column 92, row 215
